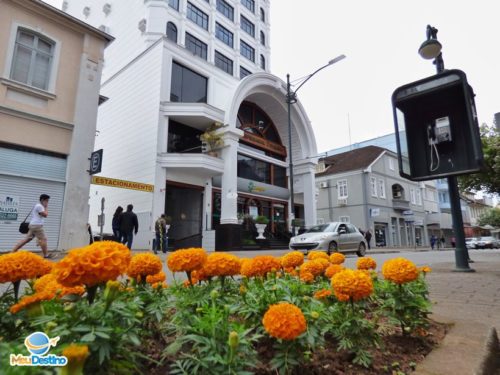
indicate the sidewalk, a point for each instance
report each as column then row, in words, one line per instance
column 471, row 303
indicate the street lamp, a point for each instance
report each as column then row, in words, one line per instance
column 431, row 49
column 291, row 98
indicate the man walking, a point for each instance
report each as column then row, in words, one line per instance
column 368, row 237
column 161, row 235
column 38, row 215
column 128, row 226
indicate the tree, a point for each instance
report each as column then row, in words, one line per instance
column 490, row 217
column 488, row 180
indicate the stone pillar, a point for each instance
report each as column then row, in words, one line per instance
column 309, row 183
column 207, row 205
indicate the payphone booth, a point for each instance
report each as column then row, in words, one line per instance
column 437, row 132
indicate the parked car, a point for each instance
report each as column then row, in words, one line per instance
column 471, row 242
column 331, row 237
column 488, row 242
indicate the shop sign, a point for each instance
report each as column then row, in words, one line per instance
column 123, row 184
column 374, row 212
column 9, row 207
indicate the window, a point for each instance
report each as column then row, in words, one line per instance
column 226, row 9
column 172, row 32
column 261, row 171
column 187, row 86
column 373, row 186
column 196, row 46
column 344, row 219
column 381, row 188
column 342, row 189
column 262, row 38
column 183, row 138
column 223, row 34
column 263, row 62
column 174, row 4
column 244, row 72
column 32, row 59
column 262, row 15
column 391, row 164
column 418, row 197
column 247, row 51
column 247, row 26
column 223, row 63
column 412, row 196
column 197, row 16
column 249, row 4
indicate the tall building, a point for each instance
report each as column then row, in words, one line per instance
column 50, row 66
column 176, row 68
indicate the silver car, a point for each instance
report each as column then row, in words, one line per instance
column 331, row 237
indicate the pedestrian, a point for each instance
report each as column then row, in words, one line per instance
column 38, row 215
column 442, row 240
column 128, row 226
column 115, row 223
column 89, row 231
column 161, row 235
column 368, row 237
column 433, row 241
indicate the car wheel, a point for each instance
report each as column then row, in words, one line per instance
column 332, row 248
column 361, row 250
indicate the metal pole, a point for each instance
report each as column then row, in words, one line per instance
column 290, row 168
column 461, row 253
column 102, row 218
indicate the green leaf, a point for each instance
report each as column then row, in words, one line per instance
column 173, row 348
column 89, row 337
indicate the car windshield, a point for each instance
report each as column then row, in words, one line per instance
column 322, row 228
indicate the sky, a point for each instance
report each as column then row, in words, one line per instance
column 350, row 101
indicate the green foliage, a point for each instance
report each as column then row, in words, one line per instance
column 488, row 179
column 490, row 217
column 11, row 326
column 262, row 220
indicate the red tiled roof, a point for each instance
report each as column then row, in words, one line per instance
column 359, row 158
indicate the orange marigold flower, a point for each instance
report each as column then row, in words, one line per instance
column 187, row 260
column 260, row 266
column 352, row 283
column 48, row 283
column 76, row 352
column 26, row 301
column 400, row 270
column 292, row 259
column 316, row 267
column 22, row 265
column 366, row 263
column 222, row 264
column 324, row 263
column 317, row 254
column 159, row 284
column 425, row 269
column 337, row 258
column 199, row 275
column 142, row 265
column 322, row 293
column 333, row 269
column 291, row 271
column 156, row 278
column 306, row 277
column 93, row 264
column 284, row 321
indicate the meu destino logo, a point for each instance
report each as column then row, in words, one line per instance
column 38, row 344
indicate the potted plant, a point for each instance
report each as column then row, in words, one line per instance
column 297, row 223
column 261, row 223
column 212, row 138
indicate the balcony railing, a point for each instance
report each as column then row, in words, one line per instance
column 400, row 204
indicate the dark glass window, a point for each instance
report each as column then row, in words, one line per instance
column 253, row 169
column 262, row 38
column 226, row 9
column 223, row 34
column 262, row 62
column 172, row 32
column 279, row 176
column 247, row 26
column 197, row 16
column 183, row 138
column 247, row 51
column 249, row 4
column 196, row 46
column 262, row 15
column 224, row 63
column 174, row 4
column 187, row 86
column 244, row 72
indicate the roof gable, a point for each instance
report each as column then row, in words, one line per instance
column 360, row 158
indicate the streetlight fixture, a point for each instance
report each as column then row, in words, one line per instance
column 431, row 49
column 291, row 98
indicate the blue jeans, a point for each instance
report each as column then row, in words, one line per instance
column 127, row 238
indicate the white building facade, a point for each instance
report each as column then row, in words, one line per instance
column 176, row 68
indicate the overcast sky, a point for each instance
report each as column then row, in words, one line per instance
column 381, row 40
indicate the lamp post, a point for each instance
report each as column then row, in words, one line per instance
column 431, row 49
column 291, row 98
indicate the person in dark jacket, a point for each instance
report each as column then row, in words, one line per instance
column 115, row 224
column 368, row 237
column 128, row 226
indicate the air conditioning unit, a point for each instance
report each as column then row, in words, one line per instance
column 343, row 202
column 323, row 184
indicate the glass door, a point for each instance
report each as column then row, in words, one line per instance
column 278, row 220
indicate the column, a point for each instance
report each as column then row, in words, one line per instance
column 229, row 194
column 207, row 205
column 309, row 183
